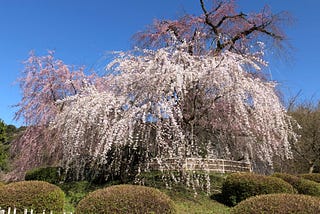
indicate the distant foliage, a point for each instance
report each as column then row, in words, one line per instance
column 306, row 150
column 240, row 186
column 8, row 133
column 4, row 156
column 13, row 132
column 303, row 186
column 3, row 132
column 36, row 195
column 126, row 199
column 278, row 203
column 4, row 151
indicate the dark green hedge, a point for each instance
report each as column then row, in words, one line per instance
column 303, row 186
column 279, row 204
column 52, row 175
column 312, row 176
column 36, row 195
column 126, row 199
column 239, row 186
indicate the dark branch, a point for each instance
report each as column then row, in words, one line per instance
column 245, row 33
column 208, row 22
column 203, row 7
column 241, row 15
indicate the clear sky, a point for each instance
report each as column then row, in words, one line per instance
column 82, row 31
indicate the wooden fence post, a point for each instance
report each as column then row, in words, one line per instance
column 223, row 170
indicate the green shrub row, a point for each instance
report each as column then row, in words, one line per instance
column 40, row 195
column 126, row 198
column 278, row 203
column 239, row 186
column 53, row 175
column 303, row 186
column 311, row 176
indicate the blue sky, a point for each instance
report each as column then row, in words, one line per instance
column 82, row 31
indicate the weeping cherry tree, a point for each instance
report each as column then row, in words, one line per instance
column 157, row 100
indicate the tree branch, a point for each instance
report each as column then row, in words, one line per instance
column 208, row 22
column 241, row 15
column 233, row 40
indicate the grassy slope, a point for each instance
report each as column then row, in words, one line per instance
column 204, row 206
column 200, row 204
column 186, row 200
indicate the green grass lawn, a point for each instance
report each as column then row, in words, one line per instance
column 200, row 203
column 200, row 206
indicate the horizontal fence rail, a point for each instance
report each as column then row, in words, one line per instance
column 197, row 164
column 10, row 210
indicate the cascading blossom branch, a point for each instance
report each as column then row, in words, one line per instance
column 233, row 99
column 175, row 92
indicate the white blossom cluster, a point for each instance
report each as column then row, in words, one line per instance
column 172, row 91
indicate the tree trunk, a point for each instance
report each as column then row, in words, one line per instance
column 311, row 167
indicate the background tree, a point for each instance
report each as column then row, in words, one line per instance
column 3, row 147
column 9, row 133
column 4, row 154
column 307, row 150
column 3, row 132
column 13, row 132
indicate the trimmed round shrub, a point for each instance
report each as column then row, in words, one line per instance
column 303, row 186
column 52, row 175
column 239, row 186
column 36, row 195
column 278, row 203
column 126, row 199
column 311, row 176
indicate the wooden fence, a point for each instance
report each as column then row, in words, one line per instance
column 198, row 164
column 26, row 211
